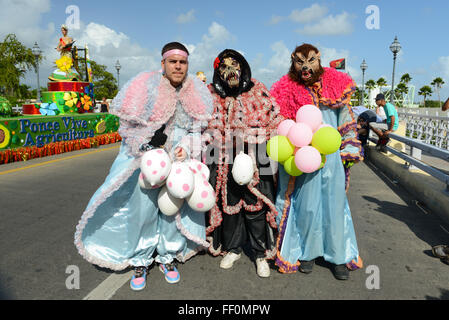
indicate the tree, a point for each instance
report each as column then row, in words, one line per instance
column 406, row 79
column 15, row 61
column 425, row 91
column 401, row 90
column 381, row 82
column 370, row 84
column 437, row 83
column 105, row 83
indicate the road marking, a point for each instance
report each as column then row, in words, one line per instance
column 109, row 287
column 58, row 160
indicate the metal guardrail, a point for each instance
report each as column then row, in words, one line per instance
column 432, row 130
column 414, row 159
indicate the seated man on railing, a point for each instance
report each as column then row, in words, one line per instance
column 384, row 129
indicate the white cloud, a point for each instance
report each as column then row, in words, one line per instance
column 331, row 25
column 186, row 17
column 308, row 14
column 276, row 19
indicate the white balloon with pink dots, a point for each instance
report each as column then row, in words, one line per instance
column 199, row 167
column 180, row 182
column 155, row 166
column 203, row 197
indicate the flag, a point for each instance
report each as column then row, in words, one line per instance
column 338, row 64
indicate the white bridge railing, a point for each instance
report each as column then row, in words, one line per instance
column 432, row 130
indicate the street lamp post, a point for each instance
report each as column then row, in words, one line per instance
column 37, row 53
column 118, row 67
column 363, row 66
column 395, row 47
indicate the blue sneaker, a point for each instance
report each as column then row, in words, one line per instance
column 170, row 272
column 139, row 279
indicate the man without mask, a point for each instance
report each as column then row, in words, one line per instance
column 316, row 220
column 246, row 116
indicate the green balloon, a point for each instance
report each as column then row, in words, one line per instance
column 323, row 161
column 279, row 148
column 327, row 140
column 291, row 168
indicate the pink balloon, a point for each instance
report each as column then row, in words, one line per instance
column 300, row 135
column 311, row 115
column 285, row 126
column 308, row 159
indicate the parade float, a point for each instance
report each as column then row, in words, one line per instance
column 64, row 120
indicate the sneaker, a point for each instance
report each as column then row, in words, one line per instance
column 383, row 149
column 228, row 261
column 341, row 272
column 263, row 270
column 139, row 279
column 306, row 266
column 170, row 272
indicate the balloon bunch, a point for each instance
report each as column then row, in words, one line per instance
column 180, row 181
column 302, row 146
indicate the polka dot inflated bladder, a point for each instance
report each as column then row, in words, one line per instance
column 180, row 182
column 203, row 197
column 144, row 184
column 201, row 168
column 155, row 166
column 168, row 204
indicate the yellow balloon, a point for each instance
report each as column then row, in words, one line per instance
column 327, row 140
column 279, row 148
column 291, row 168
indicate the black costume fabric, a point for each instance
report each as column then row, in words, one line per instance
column 243, row 213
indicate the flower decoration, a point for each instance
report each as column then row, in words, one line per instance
column 64, row 64
column 86, row 101
column 112, row 123
column 217, row 63
column 49, row 109
column 5, row 137
column 89, row 90
column 71, row 99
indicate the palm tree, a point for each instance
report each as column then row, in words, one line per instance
column 425, row 91
column 401, row 90
column 406, row 78
column 437, row 83
column 381, row 83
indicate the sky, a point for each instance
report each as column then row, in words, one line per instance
column 265, row 32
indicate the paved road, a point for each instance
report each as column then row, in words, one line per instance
column 41, row 205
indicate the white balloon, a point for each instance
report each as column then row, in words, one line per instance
column 198, row 166
column 180, row 182
column 168, row 204
column 243, row 169
column 156, row 166
column 144, row 184
column 203, row 197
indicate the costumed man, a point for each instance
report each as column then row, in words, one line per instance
column 315, row 219
column 122, row 225
column 245, row 117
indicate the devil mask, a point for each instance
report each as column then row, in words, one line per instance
column 306, row 65
column 232, row 74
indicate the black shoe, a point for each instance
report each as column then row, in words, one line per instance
column 341, row 272
column 306, row 266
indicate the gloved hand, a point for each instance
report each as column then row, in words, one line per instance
column 158, row 140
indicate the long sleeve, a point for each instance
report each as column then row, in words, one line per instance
column 351, row 148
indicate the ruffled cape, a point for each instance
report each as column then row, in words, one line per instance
column 335, row 92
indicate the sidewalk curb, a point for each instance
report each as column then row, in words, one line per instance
column 426, row 189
